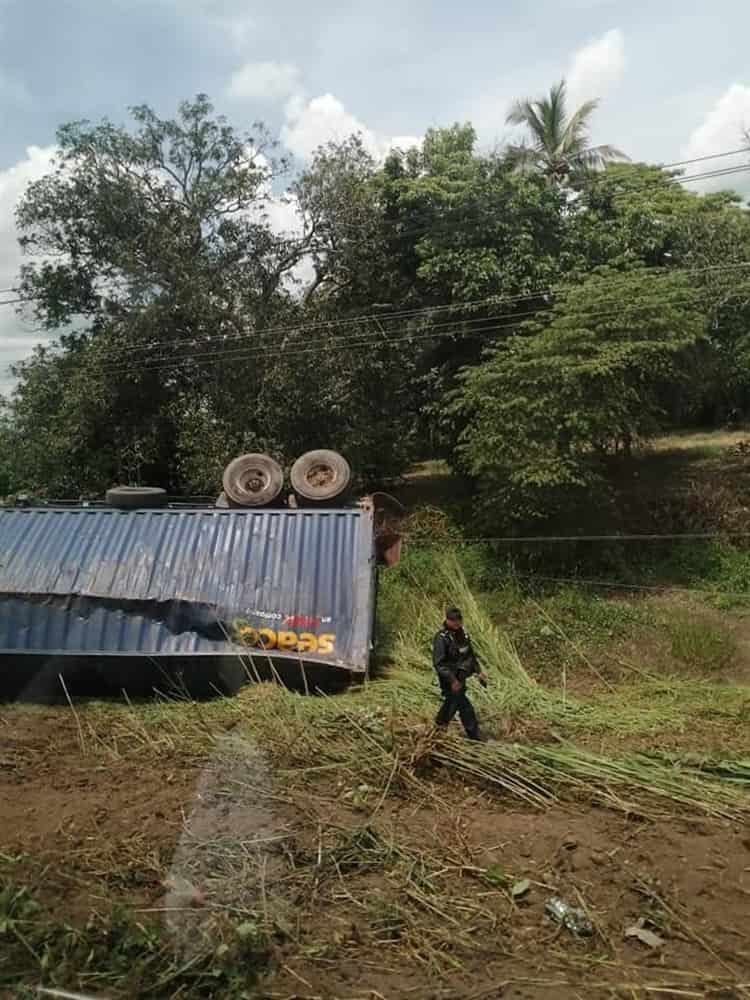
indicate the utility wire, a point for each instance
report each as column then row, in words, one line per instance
column 702, row 159
column 241, row 354
column 650, row 537
column 262, row 340
column 615, row 585
column 471, row 327
column 354, row 341
column 162, row 363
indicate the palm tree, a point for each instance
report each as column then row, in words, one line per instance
column 559, row 144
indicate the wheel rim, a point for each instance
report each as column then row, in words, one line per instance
column 320, row 475
column 254, row 481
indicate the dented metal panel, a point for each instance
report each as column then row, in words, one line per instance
column 184, row 582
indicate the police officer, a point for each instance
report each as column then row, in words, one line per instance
column 454, row 661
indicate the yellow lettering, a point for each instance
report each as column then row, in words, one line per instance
column 267, row 638
column 308, row 643
column 286, row 640
column 247, row 635
column 326, row 643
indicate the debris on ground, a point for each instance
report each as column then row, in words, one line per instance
column 640, row 932
column 572, row 918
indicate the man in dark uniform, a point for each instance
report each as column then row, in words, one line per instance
column 454, row 660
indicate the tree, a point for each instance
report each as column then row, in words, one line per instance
column 157, row 242
column 547, row 408
column 439, row 240
column 632, row 214
column 559, row 144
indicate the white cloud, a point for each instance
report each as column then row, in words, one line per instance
column 312, row 123
column 16, row 340
column 595, row 67
column 722, row 129
column 264, row 81
column 309, row 124
column 403, row 142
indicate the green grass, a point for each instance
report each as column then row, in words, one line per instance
column 708, row 444
column 702, row 646
column 117, row 952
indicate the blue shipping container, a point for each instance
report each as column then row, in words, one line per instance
column 183, row 583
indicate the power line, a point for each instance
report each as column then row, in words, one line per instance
column 262, row 340
column 615, row 585
column 702, row 159
column 649, row 537
column 719, row 172
column 474, row 326
column 357, row 341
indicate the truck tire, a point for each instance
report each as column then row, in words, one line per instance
column 133, row 497
column 253, row 480
column 320, row 475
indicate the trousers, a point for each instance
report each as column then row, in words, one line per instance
column 456, row 702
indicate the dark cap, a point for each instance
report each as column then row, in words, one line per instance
column 453, row 615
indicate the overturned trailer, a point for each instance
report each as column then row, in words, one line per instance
column 136, row 598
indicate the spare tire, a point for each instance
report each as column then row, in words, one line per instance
column 320, row 475
column 133, row 497
column 253, row 480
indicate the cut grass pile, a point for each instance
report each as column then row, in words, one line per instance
column 632, row 783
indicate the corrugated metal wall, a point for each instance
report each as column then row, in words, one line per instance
column 108, row 581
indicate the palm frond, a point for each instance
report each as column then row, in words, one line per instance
column 597, row 157
column 554, row 115
column 610, row 153
column 521, row 157
column 575, row 135
column 559, row 145
column 527, row 113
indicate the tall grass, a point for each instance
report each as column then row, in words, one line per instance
column 513, row 690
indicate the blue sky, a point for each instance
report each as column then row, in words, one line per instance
column 674, row 78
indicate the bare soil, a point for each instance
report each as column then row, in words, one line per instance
column 87, row 831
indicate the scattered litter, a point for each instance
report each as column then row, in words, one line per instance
column 644, row 935
column 519, row 889
column 572, row 918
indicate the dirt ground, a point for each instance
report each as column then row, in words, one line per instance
column 87, row 830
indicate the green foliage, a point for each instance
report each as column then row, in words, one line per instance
column 560, row 146
column 702, row 646
column 117, row 952
column 551, row 629
column 191, row 328
column 549, row 406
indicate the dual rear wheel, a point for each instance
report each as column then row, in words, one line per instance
column 256, row 480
